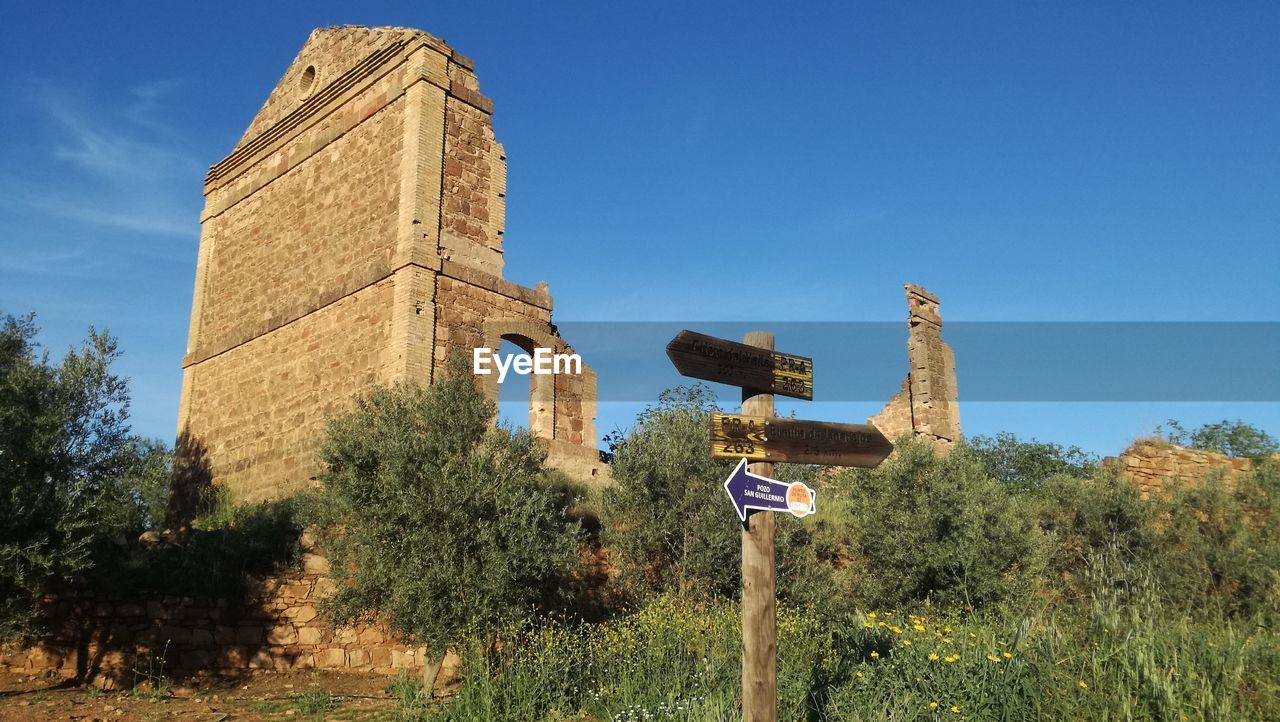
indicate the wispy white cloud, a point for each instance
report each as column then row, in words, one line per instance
column 118, row 169
column 57, row 262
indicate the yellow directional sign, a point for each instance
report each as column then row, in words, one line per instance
column 714, row 359
column 757, row 438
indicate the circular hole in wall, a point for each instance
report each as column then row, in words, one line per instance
column 308, row 80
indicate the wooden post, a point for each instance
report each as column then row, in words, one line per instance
column 759, row 600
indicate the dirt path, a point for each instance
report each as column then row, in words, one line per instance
column 309, row 695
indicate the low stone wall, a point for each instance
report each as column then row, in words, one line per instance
column 1152, row 465
column 116, row 641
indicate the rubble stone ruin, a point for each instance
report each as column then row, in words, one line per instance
column 353, row 237
column 928, row 404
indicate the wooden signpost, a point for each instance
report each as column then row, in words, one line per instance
column 759, row 439
column 743, row 365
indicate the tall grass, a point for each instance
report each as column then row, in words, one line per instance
column 1122, row 657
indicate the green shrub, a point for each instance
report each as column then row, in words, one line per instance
column 669, row 521
column 1233, row 438
column 936, row 527
column 1219, row 545
column 1083, row 517
column 1024, row 465
column 435, row 522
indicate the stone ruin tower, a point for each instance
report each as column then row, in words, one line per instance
column 928, row 404
column 354, row 237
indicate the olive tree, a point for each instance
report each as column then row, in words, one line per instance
column 435, row 522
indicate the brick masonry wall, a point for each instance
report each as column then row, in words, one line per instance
column 261, row 406
column 1153, row 465
column 474, row 188
column 264, row 265
column 278, row 627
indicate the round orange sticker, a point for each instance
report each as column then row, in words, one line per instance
column 799, row 499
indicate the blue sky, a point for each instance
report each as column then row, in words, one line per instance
column 1026, row 161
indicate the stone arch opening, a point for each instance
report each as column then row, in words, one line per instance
column 541, row 388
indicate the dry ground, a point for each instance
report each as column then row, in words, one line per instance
column 302, row 695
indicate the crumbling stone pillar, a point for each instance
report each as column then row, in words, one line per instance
column 928, row 404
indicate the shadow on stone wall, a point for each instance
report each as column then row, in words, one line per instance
column 191, row 485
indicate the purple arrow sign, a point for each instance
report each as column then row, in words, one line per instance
column 749, row 491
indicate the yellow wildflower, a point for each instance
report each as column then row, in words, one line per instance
column 858, row 675
column 1082, row 684
column 946, row 640
column 972, row 635
column 868, row 625
column 947, row 630
column 918, row 627
column 875, row 655
column 906, row 642
column 1006, row 655
column 895, row 630
column 955, row 710
column 933, row 656
column 871, row 615
column 993, row 659
column 951, row 659
column 933, row 705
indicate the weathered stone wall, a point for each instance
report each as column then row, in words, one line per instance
column 104, row 639
column 353, row 236
column 928, row 404
column 475, row 185
column 260, row 406
column 1153, row 465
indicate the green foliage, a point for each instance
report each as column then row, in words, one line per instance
column 1081, row 517
column 1023, row 465
column 929, row 527
column 667, row 516
column 435, row 522
column 1233, row 438
column 1124, row 657
column 1218, row 546
column 315, row 701
column 220, row 557
column 671, row 659
column 67, row 462
column 146, row 481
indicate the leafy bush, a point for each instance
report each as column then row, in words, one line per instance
column 1219, row 544
column 435, row 522
column 1024, row 465
column 1081, row 517
column 667, row 516
column 1233, row 438
column 929, row 527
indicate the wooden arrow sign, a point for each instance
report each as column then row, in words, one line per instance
column 709, row 358
column 758, row 438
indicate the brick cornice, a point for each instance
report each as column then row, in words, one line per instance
column 497, row 284
column 355, row 284
column 334, row 96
